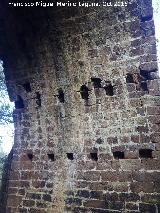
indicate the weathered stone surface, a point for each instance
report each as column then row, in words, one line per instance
column 86, row 91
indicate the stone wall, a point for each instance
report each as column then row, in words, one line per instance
column 2, row 159
column 86, row 92
column 4, row 181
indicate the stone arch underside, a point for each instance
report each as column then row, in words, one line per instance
column 86, row 92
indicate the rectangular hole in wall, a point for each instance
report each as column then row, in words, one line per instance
column 145, row 153
column 129, row 78
column 94, row 156
column 144, row 86
column 109, row 89
column 19, row 104
column 84, row 91
column 30, row 156
column 51, row 157
column 70, row 156
column 27, row 86
column 146, row 75
column 96, row 82
column 146, row 18
column 118, row 155
column 38, row 99
column 61, row 95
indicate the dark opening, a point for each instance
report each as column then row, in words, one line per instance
column 118, row 155
column 96, row 82
column 30, row 156
column 109, row 89
column 129, row 78
column 51, row 157
column 61, row 95
column 146, row 75
column 84, row 92
column 144, row 86
column 99, row 141
column 19, row 103
column 38, row 99
column 70, row 156
column 145, row 153
column 27, row 87
column 94, row 156
column 146, row 18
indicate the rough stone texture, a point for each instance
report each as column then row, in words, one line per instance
column 5, row 182
column 87, row 117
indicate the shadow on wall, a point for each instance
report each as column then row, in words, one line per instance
column 4, row 182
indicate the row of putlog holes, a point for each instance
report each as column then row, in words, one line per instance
column 143, row 153
column 139, row 79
